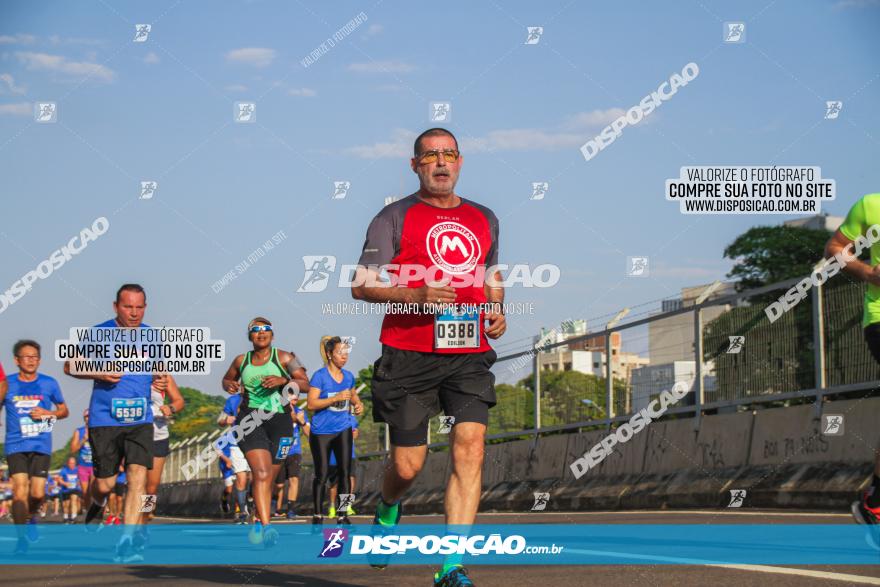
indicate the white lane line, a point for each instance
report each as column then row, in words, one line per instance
column 659, row 512
column 805, row 573
column 755, row 568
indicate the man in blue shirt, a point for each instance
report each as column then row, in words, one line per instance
column 121, row 427
column 30, row 418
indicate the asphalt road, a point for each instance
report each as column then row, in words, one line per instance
column 488, row 576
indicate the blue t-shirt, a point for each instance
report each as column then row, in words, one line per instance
column 128, row 403
column 70, row 476
column 84, row 456
column 22, row 433
column 230, row 408
column 354, row 424
column 336, row 417
column 52, row 488
column 296, row 447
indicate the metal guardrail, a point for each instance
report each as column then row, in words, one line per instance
column 833, row 329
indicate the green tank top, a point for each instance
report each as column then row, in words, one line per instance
column 251, row 377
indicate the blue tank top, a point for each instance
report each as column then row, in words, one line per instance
column 127, row 403
column 84, row 456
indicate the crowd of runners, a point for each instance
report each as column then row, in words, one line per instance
column 430, row 363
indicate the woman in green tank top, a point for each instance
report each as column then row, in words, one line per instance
column 263, row 426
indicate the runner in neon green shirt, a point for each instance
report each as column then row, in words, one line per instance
column 862, row 216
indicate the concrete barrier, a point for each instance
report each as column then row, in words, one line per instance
column 779, row 456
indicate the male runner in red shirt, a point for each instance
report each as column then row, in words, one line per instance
column 433, row 360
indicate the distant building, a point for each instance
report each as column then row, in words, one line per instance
column 672, row 339
column 588, row 355
column 390, row 199
column 817, row 222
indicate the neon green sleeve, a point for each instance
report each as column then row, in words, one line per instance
column 855, row 224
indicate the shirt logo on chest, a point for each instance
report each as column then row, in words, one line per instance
column 453, row 247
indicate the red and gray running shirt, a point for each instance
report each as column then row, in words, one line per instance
column 448, row 242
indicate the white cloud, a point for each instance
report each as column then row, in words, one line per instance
column 236, row 88
column 17, row 39
column 8, row 81
column 844, row 4
column 573, row 133
column 304, row 92
column 373, row 30
column 255, row 56
column 389, row 66
column 595, row 119
column 19, row 109
column 58, row 40
column 151, row 58
column 61, row 64
column 399, row 146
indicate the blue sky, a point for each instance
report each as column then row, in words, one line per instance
column 162, row 110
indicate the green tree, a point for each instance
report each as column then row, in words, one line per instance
column 768, row 254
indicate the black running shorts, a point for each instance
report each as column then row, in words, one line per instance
column 110, row 444
column 289, row 468
column 34, row 464
column 411, row 387
column 274, row 434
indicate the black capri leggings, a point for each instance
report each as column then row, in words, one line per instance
column 321, row 445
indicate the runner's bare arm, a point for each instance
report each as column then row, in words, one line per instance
column 296, row 370
column 230, row 381
column 495, row 295
column 4, row 387
column 60, row 412
column 856, row 268
column 316, row 403
column 373, row 290
column 76, row 442
column 177, row 401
